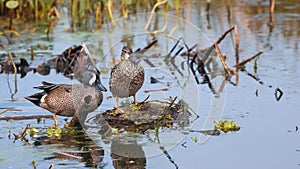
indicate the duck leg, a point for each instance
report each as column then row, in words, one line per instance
column 117, row 102
column 134, row 100
column 118, row 110
column 55, row 121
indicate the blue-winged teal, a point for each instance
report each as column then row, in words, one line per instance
column 64, row 100
column 127, row 77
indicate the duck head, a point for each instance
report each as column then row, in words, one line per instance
column 126, row 52
column 92, row 78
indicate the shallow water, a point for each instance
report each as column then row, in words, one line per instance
column 268, row 137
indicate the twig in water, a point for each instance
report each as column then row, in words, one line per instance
column 238, row 65
column 9, row 109
column 31, row 54
column 156, row 90
column 7, row 37
column 15, row 75
column 149, row 45
column 224, row 35
column 256, row 78
column 22, row 135
column 236, row 37
column 278, row 93
column 24, row 117
column 228, row 71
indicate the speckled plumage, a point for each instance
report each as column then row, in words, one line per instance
column 126, row 78
column 64, row 100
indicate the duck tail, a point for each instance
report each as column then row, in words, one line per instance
column 47, row 87
column 36, row 98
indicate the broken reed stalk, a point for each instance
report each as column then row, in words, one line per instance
column 25, row 117
column 23, row 134
column 6, row 36
column 148, row 46
column 9, row 109
column 156, row 90
column 89, row 54
column 31, row 54
column 236, row 39
column 109, row 7
column 224, row 35
column 238, row 65
column 271, row 11
column 15, row 75
column 228, row 71
column 146, row 28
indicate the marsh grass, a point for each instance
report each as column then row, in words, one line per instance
column 83, row 14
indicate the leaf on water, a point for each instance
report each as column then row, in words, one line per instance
column 12, row 4
column 226, row 126
column 194, row 139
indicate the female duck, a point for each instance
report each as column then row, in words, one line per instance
column 127, row 77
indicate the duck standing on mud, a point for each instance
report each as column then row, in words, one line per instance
column 127, row 77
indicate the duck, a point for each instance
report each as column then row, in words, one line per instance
column 127, row 77
column 65, row 99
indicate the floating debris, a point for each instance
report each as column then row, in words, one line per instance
column 145, row 115
column 278, row 93
column 156, row 90
column 226, row 126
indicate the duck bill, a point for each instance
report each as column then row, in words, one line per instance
column 101, row 87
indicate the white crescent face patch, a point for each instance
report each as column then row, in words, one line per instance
column 43, row 98
column 93, row 79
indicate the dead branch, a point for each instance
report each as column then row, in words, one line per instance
column 6, row 36
column 156, row 90
column 236, row 39
column 15, row 75
column 228, row 71
column 9, row 109
column 248, row 60
column 224, row 35
column 31, row 53
column 149, row 45
column 24, row 117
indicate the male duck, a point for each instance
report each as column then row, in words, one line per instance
column 127, row 77
column 64, row 100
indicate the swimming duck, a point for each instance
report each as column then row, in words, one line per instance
column 127, row 77
column 65, row 99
